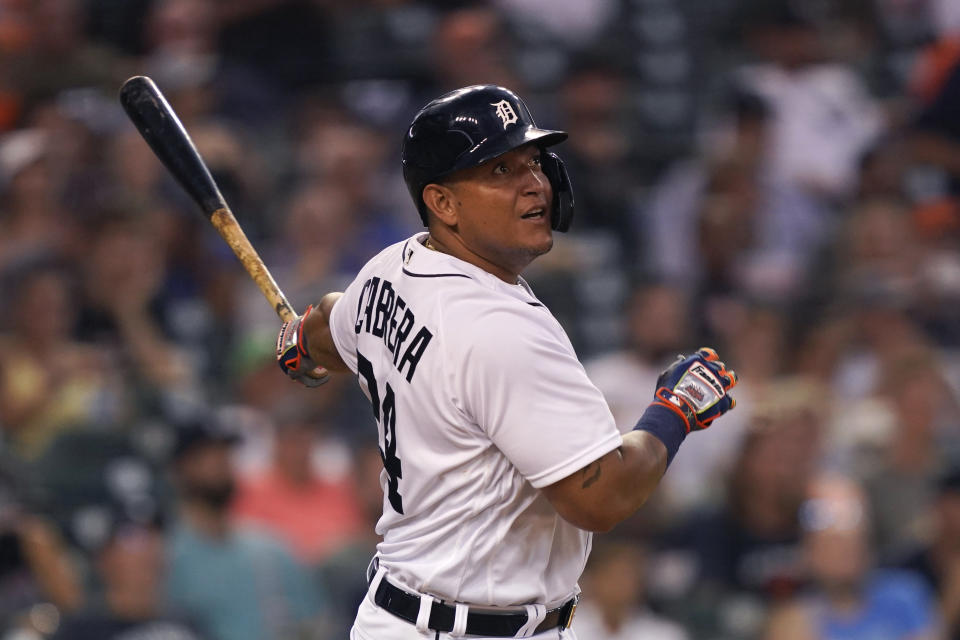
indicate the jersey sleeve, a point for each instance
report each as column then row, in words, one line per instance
column 523, row 385
column 343, row 318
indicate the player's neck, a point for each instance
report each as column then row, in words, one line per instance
column 452, row 245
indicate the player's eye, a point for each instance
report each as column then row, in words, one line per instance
column 535, row 161
column 500, row 169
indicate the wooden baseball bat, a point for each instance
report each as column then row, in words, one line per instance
column 163, row 131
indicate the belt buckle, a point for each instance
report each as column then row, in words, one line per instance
column 566, row 617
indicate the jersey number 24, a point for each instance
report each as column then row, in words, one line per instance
column 386, row 415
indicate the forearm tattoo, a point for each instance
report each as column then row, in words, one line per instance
column 591, row 473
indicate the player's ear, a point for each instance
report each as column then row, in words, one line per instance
column 441, row 201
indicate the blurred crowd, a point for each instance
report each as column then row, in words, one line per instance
column 779, row 180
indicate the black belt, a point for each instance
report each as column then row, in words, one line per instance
column 479, row 622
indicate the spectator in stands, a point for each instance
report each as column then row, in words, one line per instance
column 575, row 23
column 900, row 478
column 470, row 46
column 129, row 565
column 935, row 134
column 885, row 362
column 763, row 495
column 938, row 562
column 823, row 116
column 873, row 282
column 235, row 583
column 33, row 220
column 59, row 55
column 748, row 550
column 48, row 381
column 849, row 598
column 132, row 167
column 613, row 607
column 123, row 310
column 718, row 223
column 15, row 36
column 349, row 159
column 35, row 567
column 822, row 120
column 313, row 510
column 592, row 100
column 945, row 16
column 182, row 36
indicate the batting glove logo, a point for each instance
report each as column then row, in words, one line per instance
column 696, row 388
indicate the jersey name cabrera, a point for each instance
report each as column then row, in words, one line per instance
column 479, row 401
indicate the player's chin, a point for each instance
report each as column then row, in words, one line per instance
column 540, row 242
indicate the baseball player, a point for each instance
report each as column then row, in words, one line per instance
column 500, row 456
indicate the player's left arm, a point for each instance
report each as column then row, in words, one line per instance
column 322, row 349
column 306, row 343
column 611, row 488
column 690, row 395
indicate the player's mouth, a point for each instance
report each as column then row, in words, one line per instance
column 533, row 214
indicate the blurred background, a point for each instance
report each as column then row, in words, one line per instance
column 777, row 180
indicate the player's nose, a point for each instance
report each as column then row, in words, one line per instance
column 535, row 183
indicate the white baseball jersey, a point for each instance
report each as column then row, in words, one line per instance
column 480, row 401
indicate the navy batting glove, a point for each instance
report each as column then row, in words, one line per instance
column 696, row 388
column 293, row 356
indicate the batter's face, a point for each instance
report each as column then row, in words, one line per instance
column 499, row 212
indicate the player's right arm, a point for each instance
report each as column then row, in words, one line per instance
column 690, row 395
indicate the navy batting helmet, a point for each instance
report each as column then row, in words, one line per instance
column 469, row 126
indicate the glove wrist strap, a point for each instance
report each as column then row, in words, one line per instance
column 302, row 346
column 665, row 424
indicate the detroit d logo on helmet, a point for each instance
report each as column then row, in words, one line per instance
column 505, row 112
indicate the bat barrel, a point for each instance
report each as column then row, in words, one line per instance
column 166, row 135
column 158, row 124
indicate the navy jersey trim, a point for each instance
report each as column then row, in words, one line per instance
column 435, row 275
column 406, row 258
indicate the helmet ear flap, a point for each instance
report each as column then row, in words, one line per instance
column 561, row 215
